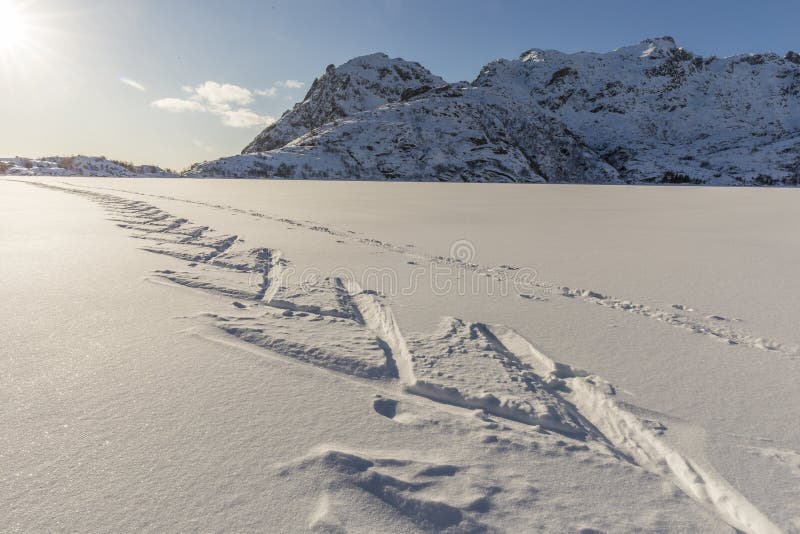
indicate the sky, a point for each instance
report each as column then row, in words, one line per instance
column 173, row 82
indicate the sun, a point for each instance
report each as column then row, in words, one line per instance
column 31, row 39
column 12, row 26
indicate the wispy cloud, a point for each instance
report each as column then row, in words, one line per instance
column 272, row 92
column 133, row 83
column 275, row 90
column 245, row 118
column 177, row 105
column 225, row 100
column 291, row 84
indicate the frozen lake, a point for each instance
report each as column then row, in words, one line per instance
column 266, row 355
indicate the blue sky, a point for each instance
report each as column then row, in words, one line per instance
column 62, row 89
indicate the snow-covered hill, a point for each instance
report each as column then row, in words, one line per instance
column 454, row 133
column 651, row 112
column 78, row 166
column 658, row 112
column 361, row 84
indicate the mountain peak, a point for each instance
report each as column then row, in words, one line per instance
column 653, row 48
column 385, row 67
column 532, row 54
column 659, row 44
column 666, row 41
column 366, row 58
column 362, row 83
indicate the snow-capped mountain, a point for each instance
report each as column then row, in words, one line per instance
column 454, row 133
column 651, row 112
column 658, row 112
column 78, row 166
column 361, row 84
column 376, row 118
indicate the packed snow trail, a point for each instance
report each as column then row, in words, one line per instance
column 682, row 316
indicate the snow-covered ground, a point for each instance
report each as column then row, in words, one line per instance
column 324, row 356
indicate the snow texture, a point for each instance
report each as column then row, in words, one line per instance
column 478, row 369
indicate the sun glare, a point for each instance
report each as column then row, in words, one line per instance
column 15, row 27
column 32, row 41
column 12, row 25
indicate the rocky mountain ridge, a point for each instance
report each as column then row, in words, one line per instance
column 361, row 84
column 658, row 112
column 648, row 113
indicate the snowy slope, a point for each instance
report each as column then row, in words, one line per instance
column 78, row 166
column 363, row 83
column 659, row 112
column 453, row 132
column 651, row 112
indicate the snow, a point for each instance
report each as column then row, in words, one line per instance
column 363, row 83
column 657, row 111
column 652, row 112
column 233, row 355
column 78, row 166
column 453, row 132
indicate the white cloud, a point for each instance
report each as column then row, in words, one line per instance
column 178, row 105
column 291, row 84
column 222, row 95
column 225, row 100
column 245, row 118
column 133, row 83
column 272, row 92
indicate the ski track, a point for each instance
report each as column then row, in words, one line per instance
column 336, row 325
column 594, row 398
column 680, row 316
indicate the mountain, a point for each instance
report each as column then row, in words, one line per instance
column 454, row 133
column 652, row 112
column 657, row 112
column 376, row 118
column 363, row 83
column 78, row 166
